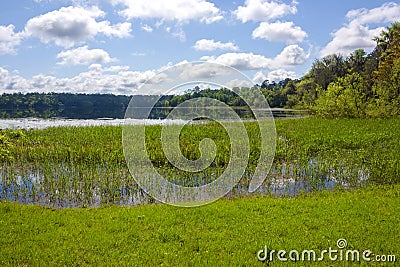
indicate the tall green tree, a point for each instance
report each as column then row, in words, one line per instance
column 356, row 61
column 307, row 91
column 328, row 69
column 343, row 98
column 386, row 78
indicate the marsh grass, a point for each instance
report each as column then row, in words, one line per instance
column 85, row 166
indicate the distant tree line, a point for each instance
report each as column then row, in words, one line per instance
column 360, row 85
column 74, row 106
column 93, row 106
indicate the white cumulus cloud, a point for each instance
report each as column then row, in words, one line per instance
column 241, row 61
column 177, row 10
column 388, row 12
column 71, row 25
column 361, row 29
column 264, row 10
column 259, row 77
column 9, row 39
column 84, row 56
column 291, row 55
column 115, row 80
column 211, row 45
column 279, row 32
column 147, row 28
column 281, row 74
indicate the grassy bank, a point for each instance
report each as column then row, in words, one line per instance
column 225, row 233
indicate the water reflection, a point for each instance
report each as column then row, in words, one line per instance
column 64, row 186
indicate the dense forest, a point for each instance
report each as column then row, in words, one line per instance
column 359, row 85
column 74, row 106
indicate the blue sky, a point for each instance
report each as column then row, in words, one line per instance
column 113, row 46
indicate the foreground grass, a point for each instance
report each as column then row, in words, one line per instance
column 225, row 233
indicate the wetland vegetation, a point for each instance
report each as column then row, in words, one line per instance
column 85, row 166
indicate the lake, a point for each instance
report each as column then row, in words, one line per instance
column 36, row 123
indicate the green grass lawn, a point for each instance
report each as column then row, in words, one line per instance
column 225, row 233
